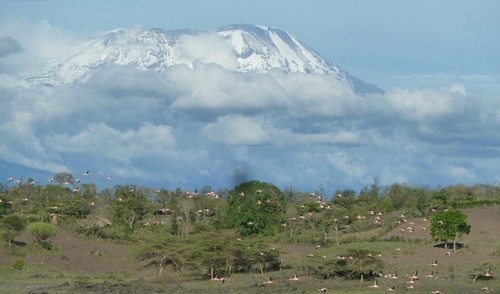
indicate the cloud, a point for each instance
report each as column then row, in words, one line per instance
column 314, row 131
column 207, row 48
column 208, row 125
column 427, row 105
column 236, row 130
column 9, row 45
column 41, row 42
column 100, row 140
column 482, row 84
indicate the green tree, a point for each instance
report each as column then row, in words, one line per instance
column 162, row 196
column 363, row 263
column 345, row 198
column 130, row 206
column 255, row 207
column 89, row 190
column 335, row 219
column 292, row 194
column 439, row 198
column 185, row 208
column 13, row 225
column 63, row 178
column 162, row 253
column 449, row 225
column 212, row 253
column 371, row 195
column 42, row 231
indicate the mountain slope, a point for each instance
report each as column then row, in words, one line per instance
column 18, row 172
column 255, row 48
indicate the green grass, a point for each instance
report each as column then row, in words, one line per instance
column 453, row 277
column 451, row 280
column 30, row 278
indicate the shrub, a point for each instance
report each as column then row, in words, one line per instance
column 18, row 264
column 42, row 231
column 14, row 225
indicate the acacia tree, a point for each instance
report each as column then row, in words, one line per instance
column 63, row 177
column 212, row 254
column 186, row 211
column 362, row 263
column 130, row 206
column 162, row 253
column 449, row 225
column 335, row 219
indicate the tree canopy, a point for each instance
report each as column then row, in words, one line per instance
column 255, row 207
column 449, row 225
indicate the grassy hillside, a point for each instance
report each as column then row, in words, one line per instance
column 82, row 265
column 251, row 239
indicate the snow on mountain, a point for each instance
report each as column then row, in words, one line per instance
column 256, row 48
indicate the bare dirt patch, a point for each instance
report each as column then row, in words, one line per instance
column 82, row 256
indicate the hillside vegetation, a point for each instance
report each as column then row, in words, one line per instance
column 253, row 238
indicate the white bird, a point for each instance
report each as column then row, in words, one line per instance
column 87, row 173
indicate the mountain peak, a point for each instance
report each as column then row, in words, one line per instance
column 256, row 48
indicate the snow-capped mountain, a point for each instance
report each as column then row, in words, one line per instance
column 255, row 48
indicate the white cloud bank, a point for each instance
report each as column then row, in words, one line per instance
column 209, row 125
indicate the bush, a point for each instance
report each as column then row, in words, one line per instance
column 18, row 264
column 13, row 225
column 42, row 231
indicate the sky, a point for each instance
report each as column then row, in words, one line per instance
column 437, row 124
